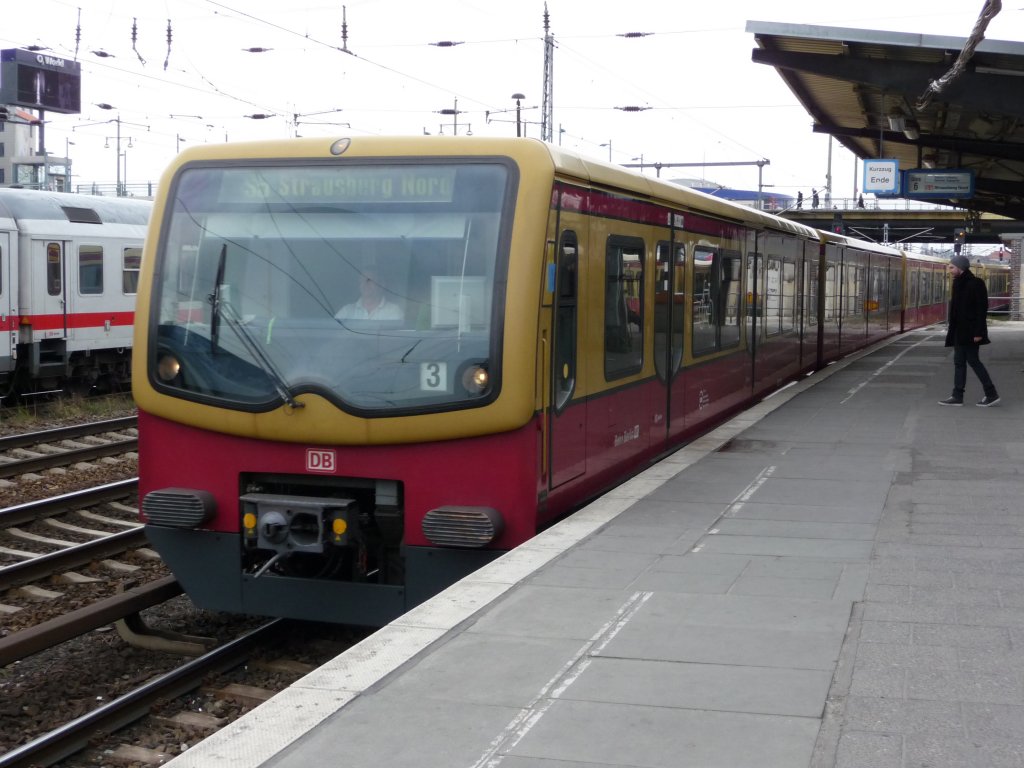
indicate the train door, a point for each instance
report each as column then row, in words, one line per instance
column 669, row 317
column 8, row 307
column 48, row 290
column 567, row 418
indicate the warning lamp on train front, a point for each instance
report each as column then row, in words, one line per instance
column 168, row 367
column 475, row 379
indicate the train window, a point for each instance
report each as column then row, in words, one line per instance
column 1, row 269
column 716, row 299
column 896, row 288
column 90, row 269
column 854, row 286
column 131, row 261
column 623, row 307
column 773, row 297
column 877, row 299
column 54, row 270
column 788, row 293
column 926, row 287
column 810, row 292
column 728, row 299
column 566, row 287
column 939, row 286
column 705, row 269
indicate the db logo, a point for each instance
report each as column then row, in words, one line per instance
column 318, row 460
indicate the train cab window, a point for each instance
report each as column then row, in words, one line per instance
column 90, row 269
column 131, row 261
column 623, row 307
column 379, row 286
column 54, row 270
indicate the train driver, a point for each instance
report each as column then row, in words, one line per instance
column 372, row 303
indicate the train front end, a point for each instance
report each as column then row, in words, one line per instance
column 335, row 370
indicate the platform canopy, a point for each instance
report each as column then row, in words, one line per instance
column 871, row 91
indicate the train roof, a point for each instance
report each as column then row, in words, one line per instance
column 18, row 204
column 864, row 245
column 608, row 174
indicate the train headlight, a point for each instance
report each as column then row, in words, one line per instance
column 168, row 367
column 476, row 379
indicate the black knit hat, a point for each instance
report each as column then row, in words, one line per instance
column 961, row 262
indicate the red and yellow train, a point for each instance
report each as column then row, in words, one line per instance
column 366, row 367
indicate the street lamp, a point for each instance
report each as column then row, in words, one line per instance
column 67, row 163
column 519, row 120
column 120, row 187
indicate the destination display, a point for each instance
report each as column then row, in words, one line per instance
column 386, row 184
column 939, row 184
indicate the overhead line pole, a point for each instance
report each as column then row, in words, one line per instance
column 546, row 109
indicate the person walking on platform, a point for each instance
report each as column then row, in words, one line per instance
column 814, row 198
column 967, row 330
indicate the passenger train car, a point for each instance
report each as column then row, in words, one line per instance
column 69, row 271
column 997, row 281
column 554, row 324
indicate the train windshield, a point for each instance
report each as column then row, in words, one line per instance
column 373, row 285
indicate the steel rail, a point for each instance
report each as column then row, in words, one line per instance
column 9, row 442
column 67, row 502
column 68, row 456
column 72, row 557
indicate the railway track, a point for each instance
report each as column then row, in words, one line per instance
column 62, row 552
column 74, row 736
column 189, row 700
column 66, row 446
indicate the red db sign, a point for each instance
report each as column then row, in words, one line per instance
column 319, row 460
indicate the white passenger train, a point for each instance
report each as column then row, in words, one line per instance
column 69, row 270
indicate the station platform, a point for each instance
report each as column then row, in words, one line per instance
column 833, row 578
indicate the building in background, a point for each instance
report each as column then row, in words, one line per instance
column 21, row 164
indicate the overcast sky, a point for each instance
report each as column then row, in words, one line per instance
column 704, row 100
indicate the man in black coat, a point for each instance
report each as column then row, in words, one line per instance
column 967, row 330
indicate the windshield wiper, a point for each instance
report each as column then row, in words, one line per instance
column 264, row 362
column 221, row 307
column 216, row 299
